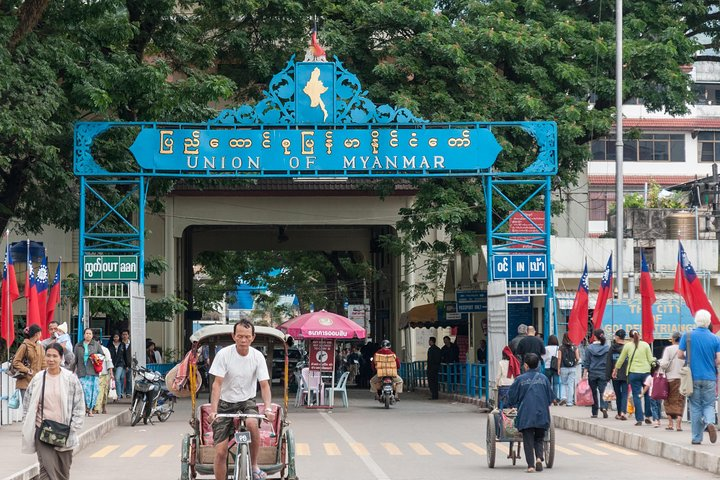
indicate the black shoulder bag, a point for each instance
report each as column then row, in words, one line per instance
column 52, row 432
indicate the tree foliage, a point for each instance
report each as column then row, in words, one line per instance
column 321, row 279
column 446, row 60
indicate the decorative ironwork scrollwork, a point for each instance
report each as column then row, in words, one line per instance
column 85, row 133
column 545, row 134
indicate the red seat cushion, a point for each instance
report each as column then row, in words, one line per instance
column 266, row 432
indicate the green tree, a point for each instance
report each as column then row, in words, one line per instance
column 447, row 60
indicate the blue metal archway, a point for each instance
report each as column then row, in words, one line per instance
column 315, row 120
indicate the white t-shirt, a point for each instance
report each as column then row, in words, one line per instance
column 240, row 374
column 550, row 352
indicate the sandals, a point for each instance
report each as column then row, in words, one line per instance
column 259, row 475
column 670, row 428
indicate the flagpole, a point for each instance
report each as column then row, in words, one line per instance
column 7, row 292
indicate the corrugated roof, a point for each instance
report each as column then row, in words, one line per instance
column 289, row 185
column 663, row 180
column 678, row 124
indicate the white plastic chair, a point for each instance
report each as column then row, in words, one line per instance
column 340, row 387
column 313, row 386
column 301, row 389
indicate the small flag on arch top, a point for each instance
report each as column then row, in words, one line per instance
column 647, row 297
column 10, row 293
column 578, row 323
column 603, row 295
column 317, row 50
column 54, row 296
column 691, row 290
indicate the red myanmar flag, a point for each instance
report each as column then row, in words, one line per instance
column 603, row 295
column 10, row 293
column 647, row 296
column 577, row 325
column 33, row 312
column 54, row 297
column 690, row 289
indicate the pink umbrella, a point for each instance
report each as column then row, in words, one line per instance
column 322, row 324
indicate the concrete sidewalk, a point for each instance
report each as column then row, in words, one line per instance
column 658, row 442
column 16, row 465
column 670, row 445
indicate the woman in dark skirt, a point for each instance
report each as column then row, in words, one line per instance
column 671, row 365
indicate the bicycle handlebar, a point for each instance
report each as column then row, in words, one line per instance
column 241, row 415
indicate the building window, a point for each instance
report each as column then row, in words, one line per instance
column 650, row 147
column 599, row 205
column 709, row 146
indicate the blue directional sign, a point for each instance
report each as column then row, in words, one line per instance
column 519, row 267
column 471, row 301
column 347, row 151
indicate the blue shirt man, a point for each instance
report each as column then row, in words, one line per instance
column 704, row 355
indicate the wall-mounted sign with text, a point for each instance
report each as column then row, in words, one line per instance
column 512, row 267
column 108, row 268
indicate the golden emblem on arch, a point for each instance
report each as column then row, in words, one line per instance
column 314, row 89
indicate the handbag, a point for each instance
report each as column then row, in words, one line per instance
column 14, row 400
column 686, row 382
column 17, row 374
column 583, row 394
column 112, row 394
column 660, row 387
column 554, row 363
column 508, row 426
column 52, row 432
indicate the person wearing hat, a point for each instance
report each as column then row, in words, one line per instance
column 671, row 365
column 619, row 383
column 29, row 358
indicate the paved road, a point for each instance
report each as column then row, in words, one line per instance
column 418, row 439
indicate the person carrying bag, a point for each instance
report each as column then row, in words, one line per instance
column 54, row 409
column 52, row 432
column 686, row 381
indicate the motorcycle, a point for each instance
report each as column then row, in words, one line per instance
column 150, row 396
column 387, row 394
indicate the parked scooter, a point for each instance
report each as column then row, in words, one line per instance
column 150, row 396
column 387, row 392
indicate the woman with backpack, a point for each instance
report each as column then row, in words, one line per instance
column 619, row 382
column 638, row 368
column 552, row 367
column 568, row 358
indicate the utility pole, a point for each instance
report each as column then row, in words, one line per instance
column 619, row 195
column 716, row 200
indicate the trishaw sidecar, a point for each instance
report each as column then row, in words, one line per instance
column 277, row 443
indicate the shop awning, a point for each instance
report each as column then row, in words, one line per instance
column 430, row 315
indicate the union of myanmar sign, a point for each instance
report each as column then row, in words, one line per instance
column 307, row 150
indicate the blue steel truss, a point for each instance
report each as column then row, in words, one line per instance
column 112, row 232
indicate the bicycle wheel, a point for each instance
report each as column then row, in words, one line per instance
column 136, row 412
column 242, row 463
column 166, row 414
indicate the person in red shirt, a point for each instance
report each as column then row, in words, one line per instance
column 384, row 362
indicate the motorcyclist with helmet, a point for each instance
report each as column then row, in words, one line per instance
column 385, row 363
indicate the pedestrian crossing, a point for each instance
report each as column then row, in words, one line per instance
column 332, row 449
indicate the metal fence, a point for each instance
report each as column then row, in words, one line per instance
column 7, row 388
column 461, row 378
